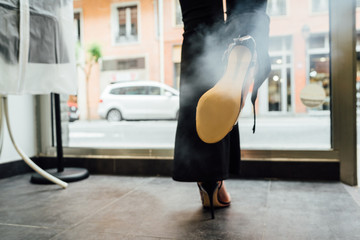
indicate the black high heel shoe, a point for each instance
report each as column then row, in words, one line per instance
column 218, row 109
column 209, row 196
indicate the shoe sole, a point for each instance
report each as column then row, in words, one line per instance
column 219, row 108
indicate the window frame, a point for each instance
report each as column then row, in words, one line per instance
column 343, row 151
column 283, row 53
column 114, row 21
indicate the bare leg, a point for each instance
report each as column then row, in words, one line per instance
column 223, row 195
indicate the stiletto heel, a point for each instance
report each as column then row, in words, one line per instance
column 209, row 196
column 212, row 206
column 218, row 109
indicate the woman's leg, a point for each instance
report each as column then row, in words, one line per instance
column 201, row 68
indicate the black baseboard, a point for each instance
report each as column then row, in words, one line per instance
column 291, row 170
column 133, row 167
column 14, row 168
column 160, row 167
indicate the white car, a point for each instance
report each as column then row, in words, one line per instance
column 139, row 100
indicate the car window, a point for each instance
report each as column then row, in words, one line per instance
column 154, row 91
column 115, row 91
column 136, row 90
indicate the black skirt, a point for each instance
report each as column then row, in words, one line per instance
column 205, row 39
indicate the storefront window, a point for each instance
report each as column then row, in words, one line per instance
column 319, row 74
column 299, row 55
column 275, row 82
column 319, row 66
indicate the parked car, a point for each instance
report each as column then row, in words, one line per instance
column 139, row 100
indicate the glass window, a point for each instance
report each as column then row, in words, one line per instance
column 276, row 7
column 123, row 64
column 77, row 26
column 319, row 6
column 116, row 91
column 126, row 24
column 299, row 52
column 275, row 44
column 140, row 90
column 319, row 74
column 177, row 75
column 279, row 81
column 275, row 82
column 178, row 16
column 276, row 60
column 289, row 90
column 154, row 91
column 288, row 59
column 317, row 41
column 176, row 59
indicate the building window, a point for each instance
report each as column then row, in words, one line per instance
column 317, row 42
column 126, row 24
column 123, row 64
column 77, row 27
column 276, row 7
column 319, row 6
column 280, row 77
column 176, row 58
column 178, row 16
column 177, row 67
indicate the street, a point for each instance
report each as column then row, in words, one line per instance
column 304, row 132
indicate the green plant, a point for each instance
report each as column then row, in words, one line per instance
column 94, row 53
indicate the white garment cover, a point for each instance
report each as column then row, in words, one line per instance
column 37, row 47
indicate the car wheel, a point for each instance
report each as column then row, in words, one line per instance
column 114, row 115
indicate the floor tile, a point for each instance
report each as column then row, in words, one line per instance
column 12, row 232
column 51, row 206
column 118, row 207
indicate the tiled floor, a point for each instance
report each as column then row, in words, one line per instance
column 116, row 207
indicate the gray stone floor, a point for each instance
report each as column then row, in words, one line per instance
column 117, row 207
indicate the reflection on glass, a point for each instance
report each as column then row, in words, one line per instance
column 319, row 74
column 299, row 54
column 279, row 80
column 289, row 90
column 275, row 91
